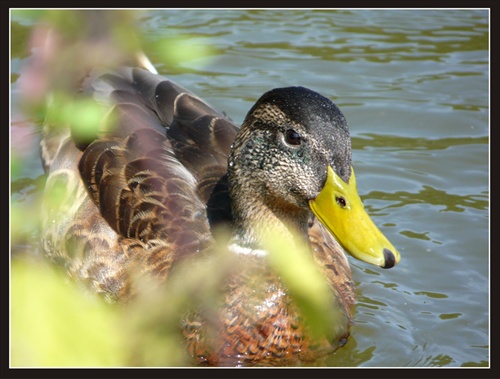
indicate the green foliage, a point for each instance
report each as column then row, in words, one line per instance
column 54, row 325
column 15, row 164
column 178, row 49
column 82, row 115
column 308, row 287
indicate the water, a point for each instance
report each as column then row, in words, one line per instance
column 413, row 85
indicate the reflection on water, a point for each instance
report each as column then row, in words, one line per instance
column 409, row 144
column 413, row 85
column 447, row 201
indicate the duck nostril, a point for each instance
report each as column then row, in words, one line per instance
column 390, row 259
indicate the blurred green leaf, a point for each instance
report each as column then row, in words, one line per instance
column 55, row 325
column 178, row 49
column 83, row 116
column 296, row 267
column 15, row 165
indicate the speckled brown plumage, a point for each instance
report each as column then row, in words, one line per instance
column 149, row 188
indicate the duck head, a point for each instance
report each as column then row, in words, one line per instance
column 293, row 156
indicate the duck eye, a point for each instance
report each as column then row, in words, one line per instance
column 292, row 137
column 340, row 201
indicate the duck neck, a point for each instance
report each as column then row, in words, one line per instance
column 257, row 216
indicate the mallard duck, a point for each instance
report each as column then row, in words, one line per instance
column 149, row 188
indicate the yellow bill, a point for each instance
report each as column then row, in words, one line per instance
column 339, row 208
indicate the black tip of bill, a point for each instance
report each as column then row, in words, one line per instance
column 390, row 259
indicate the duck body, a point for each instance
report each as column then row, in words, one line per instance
column 149, row 188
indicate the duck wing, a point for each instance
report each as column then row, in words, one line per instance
column 131, row 169
column 136, row 190
column 200, row 136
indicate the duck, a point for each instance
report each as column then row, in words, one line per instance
column 148, row 189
